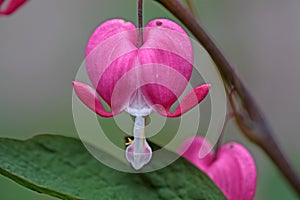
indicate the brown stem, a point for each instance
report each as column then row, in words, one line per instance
column 219, row 142
column 140, row 23
column 252, row 123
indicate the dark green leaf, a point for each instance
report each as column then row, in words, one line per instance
column 61, row 167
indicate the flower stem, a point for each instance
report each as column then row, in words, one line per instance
column 140, row 24
column 219, row 142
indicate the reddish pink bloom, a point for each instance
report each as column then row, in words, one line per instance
column 232, row 169
column 11, row 7
column 142, row 79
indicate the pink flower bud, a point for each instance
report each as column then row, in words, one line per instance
column 232, row 169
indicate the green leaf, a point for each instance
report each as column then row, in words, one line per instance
column 61, row 167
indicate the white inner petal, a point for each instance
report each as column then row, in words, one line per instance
column 139, row 153
column 138, row 105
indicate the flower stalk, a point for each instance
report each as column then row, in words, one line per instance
column 140, row 23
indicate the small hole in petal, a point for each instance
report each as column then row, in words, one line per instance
column 158, row 23
column 231, row 146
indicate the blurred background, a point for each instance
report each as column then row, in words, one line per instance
column 42, row 46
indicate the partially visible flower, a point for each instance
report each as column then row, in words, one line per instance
column 232, row 169
column 11, row 7
column 141, row 79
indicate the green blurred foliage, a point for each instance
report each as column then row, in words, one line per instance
column 67, row 170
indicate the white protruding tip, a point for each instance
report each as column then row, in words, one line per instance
column 138, row 159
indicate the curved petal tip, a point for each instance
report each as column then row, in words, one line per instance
column 89, row 97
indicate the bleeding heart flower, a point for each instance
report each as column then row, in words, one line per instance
column 232, row 169
column 11, row 7
column 141, row 79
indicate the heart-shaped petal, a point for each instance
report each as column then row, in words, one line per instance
column 112, row 54
column 165, row 44
column 232, row 169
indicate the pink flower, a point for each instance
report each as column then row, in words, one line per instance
column 139, row 80
column 11, row 7
column 232, row 169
